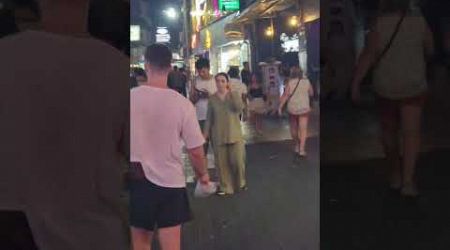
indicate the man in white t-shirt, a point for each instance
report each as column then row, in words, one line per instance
column 202, row 88
column 236, row 85
column 162, row 120
column 64, row 107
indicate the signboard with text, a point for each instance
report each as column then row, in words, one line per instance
column 135, row 33
column 162, row 35
column 229, row 5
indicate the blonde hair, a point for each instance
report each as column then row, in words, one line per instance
column 295, row 72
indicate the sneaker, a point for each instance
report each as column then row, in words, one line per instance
column 296, row 149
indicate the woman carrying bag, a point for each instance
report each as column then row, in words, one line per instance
column 296, row 95
column 395, row 52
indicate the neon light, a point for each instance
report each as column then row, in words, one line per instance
column 215, row 6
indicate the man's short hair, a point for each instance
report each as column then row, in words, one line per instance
column 158, row 56
column 233, row 72
column 202, row 63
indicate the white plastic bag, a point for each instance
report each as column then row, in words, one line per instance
column 202, row 191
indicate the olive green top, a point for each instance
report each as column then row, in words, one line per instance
column 222, row 121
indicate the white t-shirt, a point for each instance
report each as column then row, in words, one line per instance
column 237, row 86
column 161, row 121
column 202, row 105
column 64, row 107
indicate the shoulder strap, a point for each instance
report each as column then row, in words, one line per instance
column 295, row 89
column 391, row 40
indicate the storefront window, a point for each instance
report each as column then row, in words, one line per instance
column 233, row 55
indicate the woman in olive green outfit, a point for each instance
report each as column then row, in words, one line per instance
column 224, row 129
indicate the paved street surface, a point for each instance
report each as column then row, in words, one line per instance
column 281, row 208
column 358, row 212
column 279, row 211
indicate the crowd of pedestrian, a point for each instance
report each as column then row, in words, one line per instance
column 202, row 114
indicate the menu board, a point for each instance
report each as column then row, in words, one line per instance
column 272, row 83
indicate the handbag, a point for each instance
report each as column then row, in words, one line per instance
column 367, row 80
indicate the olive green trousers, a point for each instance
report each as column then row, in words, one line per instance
column 230, row 163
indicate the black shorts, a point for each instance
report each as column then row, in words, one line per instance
column 154, row 206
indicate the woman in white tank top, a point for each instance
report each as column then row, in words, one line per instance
column 296, row 95
column 400, row 83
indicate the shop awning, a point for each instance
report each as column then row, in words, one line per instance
column 267, row 8
column 278, row 7
column 219, row 33
column 263, row 9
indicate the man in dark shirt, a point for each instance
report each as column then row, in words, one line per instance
column 177, row 81
column 246, row 74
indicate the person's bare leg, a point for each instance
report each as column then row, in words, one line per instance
column 293, row 125
column 411, row 120
column 205, row 149
column 170, row 238
column 390, row 140
column 303, row 133
column 141, row 239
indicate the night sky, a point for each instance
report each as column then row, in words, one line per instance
column 160, row 20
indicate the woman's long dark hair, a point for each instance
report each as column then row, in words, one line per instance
column 234, row 72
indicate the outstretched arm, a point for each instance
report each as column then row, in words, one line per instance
column 197, row 158
column 208, row 122
column 236, row 102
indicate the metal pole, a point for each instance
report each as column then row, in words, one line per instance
column 301, row 29
column 272, row 37
column 187, row 45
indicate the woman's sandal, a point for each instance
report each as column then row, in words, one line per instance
column 302, row 154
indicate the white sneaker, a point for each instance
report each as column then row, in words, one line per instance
column 296, row 149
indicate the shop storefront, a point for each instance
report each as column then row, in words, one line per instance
column 233, row 54
column 223, row 51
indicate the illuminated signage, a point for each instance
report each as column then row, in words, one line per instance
column 135, row 33
column 162, row 35
column 290, row 44
column 208, row 40
column 229, row 5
